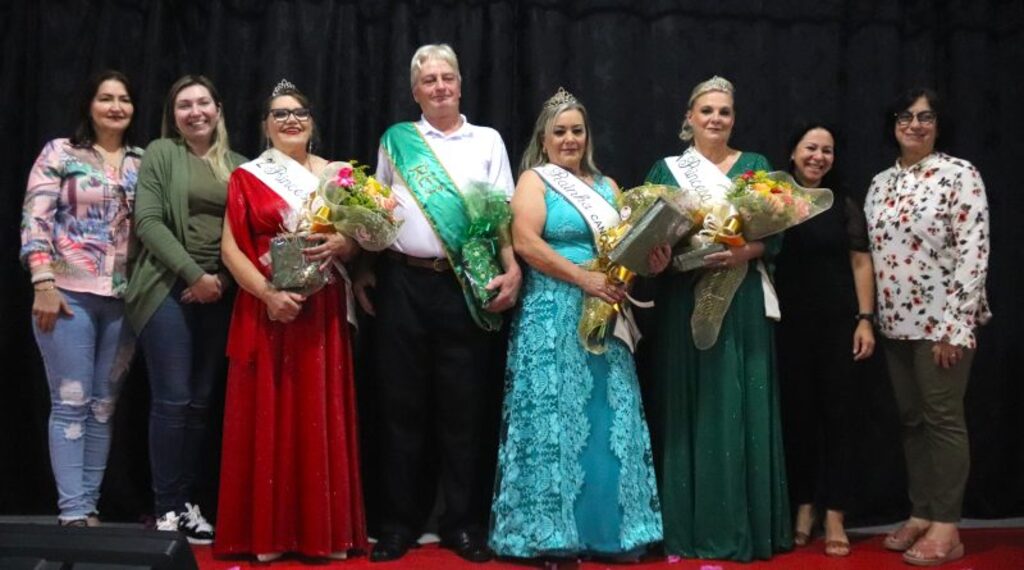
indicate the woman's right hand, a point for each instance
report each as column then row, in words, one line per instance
column 283, row 306
column 48, row 306
column 596, row 284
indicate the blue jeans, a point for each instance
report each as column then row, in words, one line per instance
column 86, row 357
column 184, row 347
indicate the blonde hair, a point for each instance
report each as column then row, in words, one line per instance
column 716, row 83
column 534, row 155
column 220, row 146
column 441, row 52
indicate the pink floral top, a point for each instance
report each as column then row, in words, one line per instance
column 77, row 217
column 928, row 228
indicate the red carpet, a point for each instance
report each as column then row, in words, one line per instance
column 987, row 549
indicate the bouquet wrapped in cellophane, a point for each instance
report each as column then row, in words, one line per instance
column 356, row 205
column 346, row 201
column 758, row 205
column 651, row 215
column 489, row 216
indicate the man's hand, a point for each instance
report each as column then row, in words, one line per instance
column 507, row 284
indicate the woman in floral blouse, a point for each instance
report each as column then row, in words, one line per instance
column 928, row 227
column 75, row 229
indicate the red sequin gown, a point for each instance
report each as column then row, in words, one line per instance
column 290, row 464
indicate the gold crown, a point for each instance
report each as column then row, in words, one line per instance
column 561, row 97
column 283, row 86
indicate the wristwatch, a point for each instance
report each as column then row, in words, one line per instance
column 870, row 317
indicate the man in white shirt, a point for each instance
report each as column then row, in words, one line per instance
column 433, row 346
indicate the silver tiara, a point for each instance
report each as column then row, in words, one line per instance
column 561, row 97
column 282, row 86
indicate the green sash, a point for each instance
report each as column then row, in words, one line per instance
column 440, row 201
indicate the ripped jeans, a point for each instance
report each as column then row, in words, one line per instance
column 86, row 357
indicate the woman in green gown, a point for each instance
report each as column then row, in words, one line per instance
column 716, row 411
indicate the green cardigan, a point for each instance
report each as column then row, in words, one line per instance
column 161, row 219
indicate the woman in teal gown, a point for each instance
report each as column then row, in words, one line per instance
column 716, row 411
column 575, row 473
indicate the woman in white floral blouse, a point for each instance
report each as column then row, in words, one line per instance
column 928, row 227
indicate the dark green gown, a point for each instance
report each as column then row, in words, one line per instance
column 721, row 468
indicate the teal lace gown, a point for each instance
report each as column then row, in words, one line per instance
column 574, row 465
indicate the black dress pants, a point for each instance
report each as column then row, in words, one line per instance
column 437, row 399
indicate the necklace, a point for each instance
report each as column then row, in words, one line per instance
column 111, row 159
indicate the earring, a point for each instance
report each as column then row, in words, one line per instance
column 309, row 147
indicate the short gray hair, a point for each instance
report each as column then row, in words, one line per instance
column 716, row 83
column 442, row 52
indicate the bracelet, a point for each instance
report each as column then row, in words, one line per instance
column 42, row 277
column 864, row 317
column 45, row 288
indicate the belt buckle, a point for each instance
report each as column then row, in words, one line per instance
column 439, row 264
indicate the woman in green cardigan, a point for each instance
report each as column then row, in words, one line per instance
column 179, row 293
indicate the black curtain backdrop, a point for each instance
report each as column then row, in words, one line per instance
column 632, row 62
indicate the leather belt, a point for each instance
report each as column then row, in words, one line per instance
column 438, row 264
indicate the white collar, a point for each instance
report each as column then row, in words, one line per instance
column 919, row 165
column 464, row 130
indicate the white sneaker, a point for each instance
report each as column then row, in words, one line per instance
column 169, row 521
column 195, row 528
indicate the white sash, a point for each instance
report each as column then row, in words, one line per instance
column 294, row 183
column 285, row 176
column 596, row 211
column 600, row 217
column 697, row 174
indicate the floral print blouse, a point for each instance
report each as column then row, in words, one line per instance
column 77, row 217
column 928, row 228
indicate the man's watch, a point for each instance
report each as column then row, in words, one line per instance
column 870, row 317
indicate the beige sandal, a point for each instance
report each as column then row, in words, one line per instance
column 933, row 552
column 903, row 538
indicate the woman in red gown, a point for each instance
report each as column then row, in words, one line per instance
column 290, row 467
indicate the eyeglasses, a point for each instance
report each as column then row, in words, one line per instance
column 904, row 118
column 301, row 114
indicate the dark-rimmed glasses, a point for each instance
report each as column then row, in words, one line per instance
column 301, row 114
column 904, row 118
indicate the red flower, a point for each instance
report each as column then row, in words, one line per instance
column 749, row 174
column 344, row 178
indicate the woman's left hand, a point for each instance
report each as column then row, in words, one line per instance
column 330, row 246
column 946, row 355
column 734, row 255
column 659, row 258
column 206, row 289
column 863, row 340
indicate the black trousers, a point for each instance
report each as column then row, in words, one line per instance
column 438, row 401
column 819, row 384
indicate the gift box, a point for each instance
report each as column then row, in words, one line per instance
column 661, row 223
column 290, row 270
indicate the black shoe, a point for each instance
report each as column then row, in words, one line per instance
column 390, row 547
column 468, row 547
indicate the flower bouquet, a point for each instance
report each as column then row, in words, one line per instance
column 356, row 205
column 758, row 205
column 489, row 215
column 346, row 201
column 650, row 215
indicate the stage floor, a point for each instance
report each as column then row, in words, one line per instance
column 990, row 545
column 992, row 548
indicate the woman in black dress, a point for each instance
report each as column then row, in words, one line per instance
column 826, row 291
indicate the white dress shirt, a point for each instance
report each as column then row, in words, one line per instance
column 470, row 154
